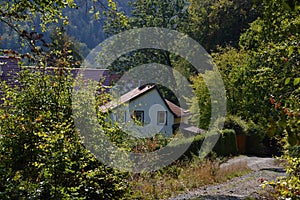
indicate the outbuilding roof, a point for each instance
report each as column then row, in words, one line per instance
column 9, row 70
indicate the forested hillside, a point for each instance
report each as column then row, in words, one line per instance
column 219, row 24
column 85, row 26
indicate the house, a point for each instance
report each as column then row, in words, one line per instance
column 9, row 70
column 143, row 105
column 146, row 106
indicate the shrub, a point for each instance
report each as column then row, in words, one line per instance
column 254, row 142
column 41, row 152
column 226, row 144
column 240, row 127
column 237, row 124
column 193, row 149
column 289, row 187
column 195, row 146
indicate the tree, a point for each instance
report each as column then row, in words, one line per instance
column 232, row 64
column 219, row 22
column 25, row 25
column 273, row 70
column 273, row 80
column 17, row 13
column 41, row 152
column 163, row 14
column 64, row 50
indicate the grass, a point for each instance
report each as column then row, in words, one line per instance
column 182, row 177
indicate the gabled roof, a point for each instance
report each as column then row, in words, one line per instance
column 129, row 96
column 178, row 111
column 139, row 91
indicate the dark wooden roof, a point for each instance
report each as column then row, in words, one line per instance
column 9, row 70
column 186, row 128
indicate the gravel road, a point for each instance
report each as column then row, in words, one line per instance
column 240, row 187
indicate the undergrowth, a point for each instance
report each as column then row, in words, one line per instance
column 183, row 176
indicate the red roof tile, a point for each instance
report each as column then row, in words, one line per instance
column 178, row 111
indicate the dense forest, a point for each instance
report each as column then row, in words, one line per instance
column 254, row 44
column 85, row 26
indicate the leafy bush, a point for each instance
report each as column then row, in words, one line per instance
column 288, row 187
column 193, row 149
column 41, row 153
column 254, row 142
column 226, row 144
column 237, row 124
column 250, row 136
column 195, row 146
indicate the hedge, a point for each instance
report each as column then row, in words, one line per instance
column 226, row 144
column 193, row 149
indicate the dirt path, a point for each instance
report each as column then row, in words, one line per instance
column 241, row 187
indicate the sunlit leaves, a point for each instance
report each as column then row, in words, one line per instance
column 24, row 10
column 296, row 81
column 273, row 41
column 41, row 153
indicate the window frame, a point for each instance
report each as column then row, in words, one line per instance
column 165, row 119
column 142, row 115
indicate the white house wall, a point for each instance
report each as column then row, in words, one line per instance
column 150, row 102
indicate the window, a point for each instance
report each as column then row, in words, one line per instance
column 139, row 116
column 161, row 117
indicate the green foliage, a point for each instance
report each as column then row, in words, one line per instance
column 193, row 149
column 289, row 188
column 22, row 10
column 166, row 14
column 84, row 22
column 64, row 50
column 232, row 64
column 254, row 142
column 253, row 134
column 226, row 144
column 18, row 17
column 273, row 70
column 216, row 23
column 200, row 104
column 41, row 153
column 272, row 42
column 155, row 13
column 237, row 124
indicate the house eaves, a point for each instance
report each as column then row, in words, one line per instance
column 139, row 91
